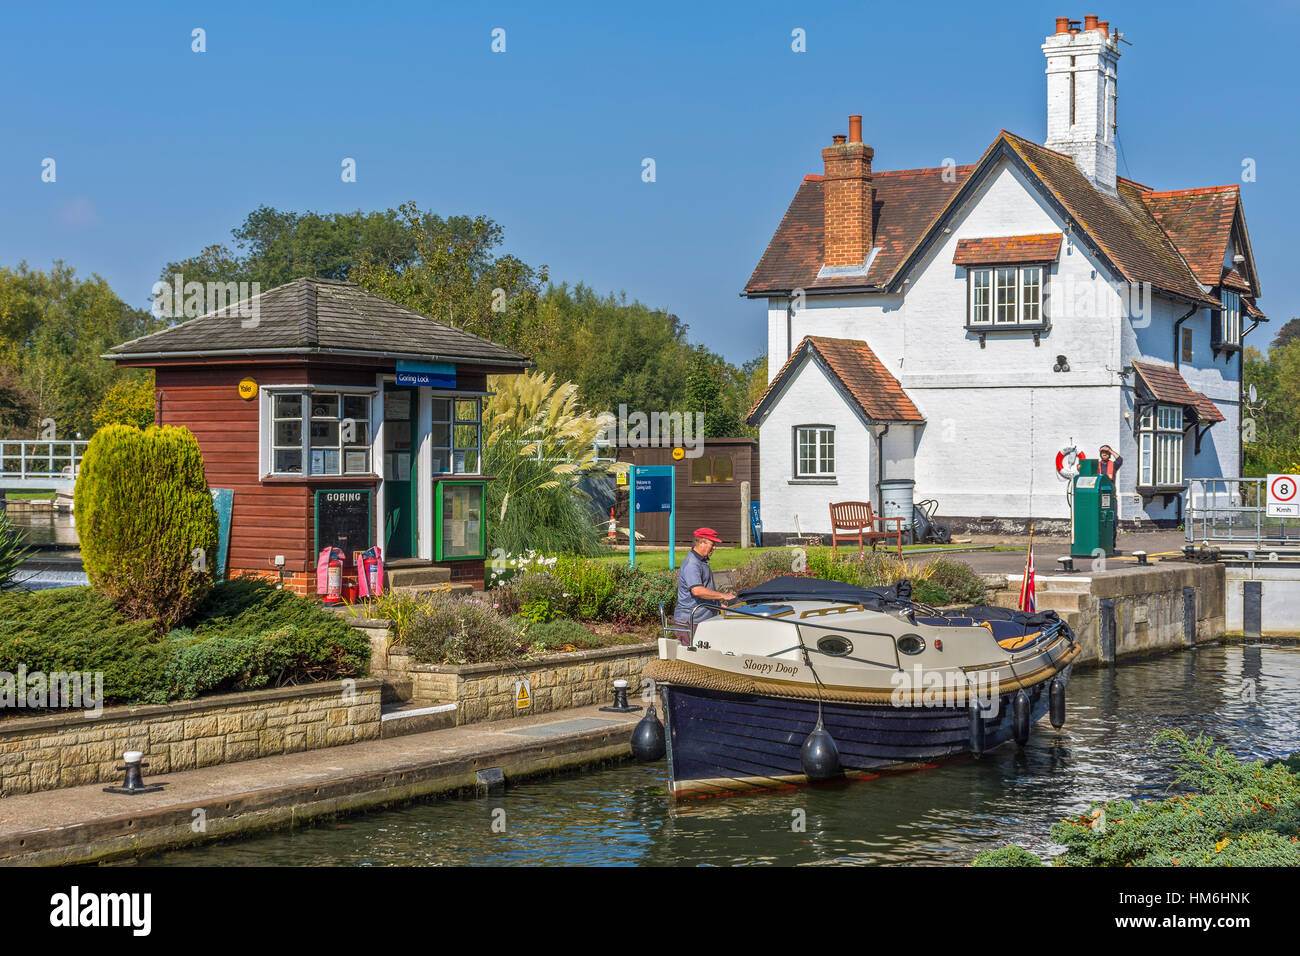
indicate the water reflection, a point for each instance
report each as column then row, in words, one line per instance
column 941, row 816
column 45, row 527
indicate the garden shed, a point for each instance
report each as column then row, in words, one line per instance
column 708, row 489
column 337, row 417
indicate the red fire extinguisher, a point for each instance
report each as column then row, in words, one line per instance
column 372, row 571
column 334, row 581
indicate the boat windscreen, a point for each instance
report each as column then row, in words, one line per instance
column 789, row 588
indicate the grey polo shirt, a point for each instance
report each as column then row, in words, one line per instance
column 695, row 572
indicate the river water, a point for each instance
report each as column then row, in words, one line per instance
column 1246, row 696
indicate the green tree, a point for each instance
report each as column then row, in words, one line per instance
column 708, row 392
column 146, row 521
column 1288, row 333
column 54, row 327
column 128, row 401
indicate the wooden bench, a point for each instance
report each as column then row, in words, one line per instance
column 850, row 519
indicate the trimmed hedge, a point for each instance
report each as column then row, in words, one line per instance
column 246, row 635
column 147, row 525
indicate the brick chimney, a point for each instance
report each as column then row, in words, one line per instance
column 846, row 198
column 1082, row 95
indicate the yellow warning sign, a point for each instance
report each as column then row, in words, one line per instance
column 679, row 453
column 523, row 695
column 247, row 388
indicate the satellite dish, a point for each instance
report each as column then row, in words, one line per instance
column 1253, row 395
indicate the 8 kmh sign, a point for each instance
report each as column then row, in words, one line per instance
column 1283, row 501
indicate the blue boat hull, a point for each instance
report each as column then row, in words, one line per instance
column 722, row 743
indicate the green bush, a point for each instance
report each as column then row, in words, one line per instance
column 540, row 596
column 1231, row 813
column 1006, row 856
column 12, row 552
column 765, row 565
column 448, row 629
column 246, row 635
column 553, row 635
column 146, row 521
column 588, row 586
column 961, row 581
column 638, row 594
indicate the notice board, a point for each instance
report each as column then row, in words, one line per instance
column 344, row 520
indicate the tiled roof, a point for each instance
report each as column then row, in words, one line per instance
column 1128, row 228
column 1234, row 280
column 1206, row 411
column 1165, row 384
column 1199, row 221
column 1121, row 225
column 906, row 202
column 321, row 315
column 859, row 372
column 1044, row 247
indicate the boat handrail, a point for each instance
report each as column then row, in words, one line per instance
column 893, row 642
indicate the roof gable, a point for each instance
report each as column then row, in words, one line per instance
column 911, row 206
column 855, row 370
column 1201, row 223
column 319, row 315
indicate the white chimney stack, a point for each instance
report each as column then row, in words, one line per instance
column 1082, row 68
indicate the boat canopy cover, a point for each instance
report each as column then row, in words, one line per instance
column 790, row 588
column 980, row 613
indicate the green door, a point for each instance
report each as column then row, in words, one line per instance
column 401, row 485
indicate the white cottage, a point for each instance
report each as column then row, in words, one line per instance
column 958, row 326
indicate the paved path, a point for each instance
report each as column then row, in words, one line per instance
column 1047, row 550
column 85, row 823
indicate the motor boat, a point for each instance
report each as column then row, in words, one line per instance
column 804, row 680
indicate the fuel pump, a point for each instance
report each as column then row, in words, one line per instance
column 1092, row 512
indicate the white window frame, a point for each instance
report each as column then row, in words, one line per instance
column 267, row 421
column 1160, row 446
column 451, row 457
column 823, row 451
column 1230, row 318
column 984, row 282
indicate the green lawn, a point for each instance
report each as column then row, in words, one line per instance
column 28, row 495
column 724, row 559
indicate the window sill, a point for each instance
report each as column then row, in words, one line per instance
column 981, row 331
column 1150, row 490
column 812, row 481
column 319, row 479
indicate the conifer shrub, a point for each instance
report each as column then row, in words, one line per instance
column 146, row 521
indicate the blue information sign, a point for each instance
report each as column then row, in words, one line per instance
column 435, row 374
column 654, row 493
column 652, row 490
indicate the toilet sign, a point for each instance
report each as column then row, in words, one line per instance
column 1283, row 501
column 523, row 695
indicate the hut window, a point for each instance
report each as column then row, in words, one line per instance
column 457, row 436
column 814, row 451
column 327, row 432
column 712, row 469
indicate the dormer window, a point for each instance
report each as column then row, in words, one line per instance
column 1005, row 297
column 1229, row 320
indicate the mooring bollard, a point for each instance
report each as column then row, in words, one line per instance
column 1067, row 564
column 621, row 706
column 134, row 782
column 1141, row 556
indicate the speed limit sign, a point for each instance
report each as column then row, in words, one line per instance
column 1283, row 501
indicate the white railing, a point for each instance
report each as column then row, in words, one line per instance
column 40, row 464
column 1231, row 512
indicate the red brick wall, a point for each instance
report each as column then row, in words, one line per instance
column 847, row 198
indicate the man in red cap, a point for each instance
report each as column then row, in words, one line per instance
column 695, row 581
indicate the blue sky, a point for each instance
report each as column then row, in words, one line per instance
column 161, row 151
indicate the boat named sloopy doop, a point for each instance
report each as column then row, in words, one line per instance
column 804, row 680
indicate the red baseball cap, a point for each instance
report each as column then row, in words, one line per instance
column 708, row 534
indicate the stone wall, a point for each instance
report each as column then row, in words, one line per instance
column 487, row 691
column 70, row 749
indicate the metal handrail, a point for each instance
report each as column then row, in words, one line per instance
column 32, row 454
column 1217, row 512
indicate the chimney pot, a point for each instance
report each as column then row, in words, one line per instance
column 1090, row 22
column 1103, row 27
column 1062, row 24
column 838, row 139
column 855, row 128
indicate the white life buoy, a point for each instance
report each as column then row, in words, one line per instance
column 1067, row 462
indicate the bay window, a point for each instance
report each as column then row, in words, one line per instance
column 1160, row 446
column 319, row 432
column 815, row 451
column 1005, row 296
column 1229, row 319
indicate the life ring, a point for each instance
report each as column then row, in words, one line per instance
column 1067, row 462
